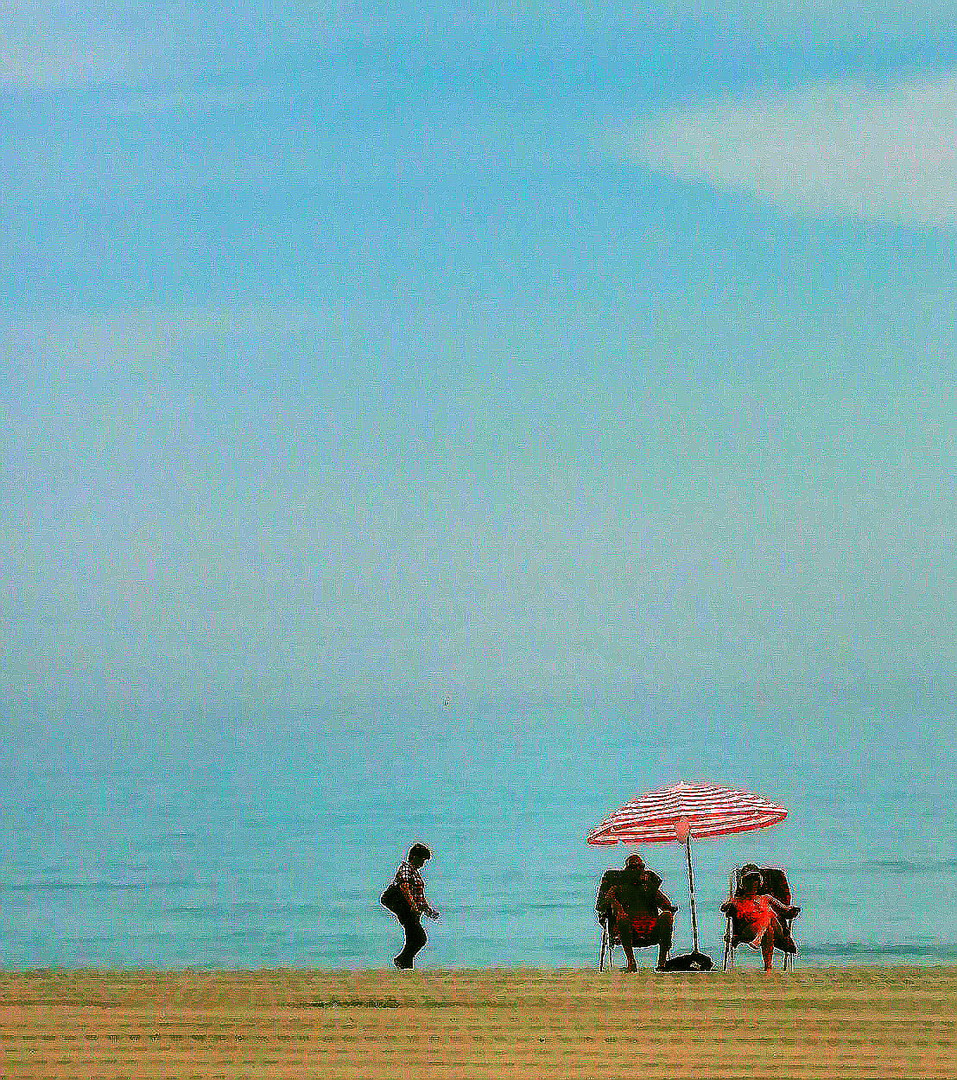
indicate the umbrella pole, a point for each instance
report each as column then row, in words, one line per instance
column 694, row 916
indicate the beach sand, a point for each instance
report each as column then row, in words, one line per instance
column 379, row 1025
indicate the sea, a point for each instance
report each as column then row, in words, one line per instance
column 266, row 845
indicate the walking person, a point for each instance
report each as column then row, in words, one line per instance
column 405, row 898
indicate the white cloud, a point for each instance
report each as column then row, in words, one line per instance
column 72, row 44
column 47, row 62
column 883, row 153
column 69, row 45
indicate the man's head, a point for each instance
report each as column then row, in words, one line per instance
column 419, row 854
column 634, row 862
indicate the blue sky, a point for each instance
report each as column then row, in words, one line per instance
column 364, row 355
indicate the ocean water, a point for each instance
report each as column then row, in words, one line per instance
column 270, row 849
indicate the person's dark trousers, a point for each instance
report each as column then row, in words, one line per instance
column 394, row 900
column 415, row 937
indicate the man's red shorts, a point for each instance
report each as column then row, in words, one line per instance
column 642, row 928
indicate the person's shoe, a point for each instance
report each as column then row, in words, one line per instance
column 399, row 965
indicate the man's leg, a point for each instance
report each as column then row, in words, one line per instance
column 415, row 938
column 624, row 932
column 664, row 932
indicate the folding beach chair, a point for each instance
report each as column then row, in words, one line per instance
column 775, row 883
column 609, row 939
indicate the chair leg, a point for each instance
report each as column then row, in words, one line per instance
column 728, row 932
column 788, row 957
column 601, row 951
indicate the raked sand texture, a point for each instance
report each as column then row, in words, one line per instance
column 383, row 1025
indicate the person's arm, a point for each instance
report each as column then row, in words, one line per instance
column 664, row 903
column 781, row 909
column 425, row 908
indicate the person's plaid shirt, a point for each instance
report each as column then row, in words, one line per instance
column 408, row 875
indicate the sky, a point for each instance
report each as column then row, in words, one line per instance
column 369, row 358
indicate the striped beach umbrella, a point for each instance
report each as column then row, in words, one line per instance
column 685, row 811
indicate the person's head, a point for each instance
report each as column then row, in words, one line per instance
column 751, row 881
column 419, row 854
column 634, row 862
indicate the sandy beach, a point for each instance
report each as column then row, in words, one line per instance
column 376, row 1025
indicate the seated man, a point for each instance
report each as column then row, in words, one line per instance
column 758, row 918
column 637, row 910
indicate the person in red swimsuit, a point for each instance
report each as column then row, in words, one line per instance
column 756, row 918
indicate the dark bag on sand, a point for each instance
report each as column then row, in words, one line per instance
column 692, row 961
column 394, row 899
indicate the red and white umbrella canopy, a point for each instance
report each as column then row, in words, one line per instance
column 686, row 810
